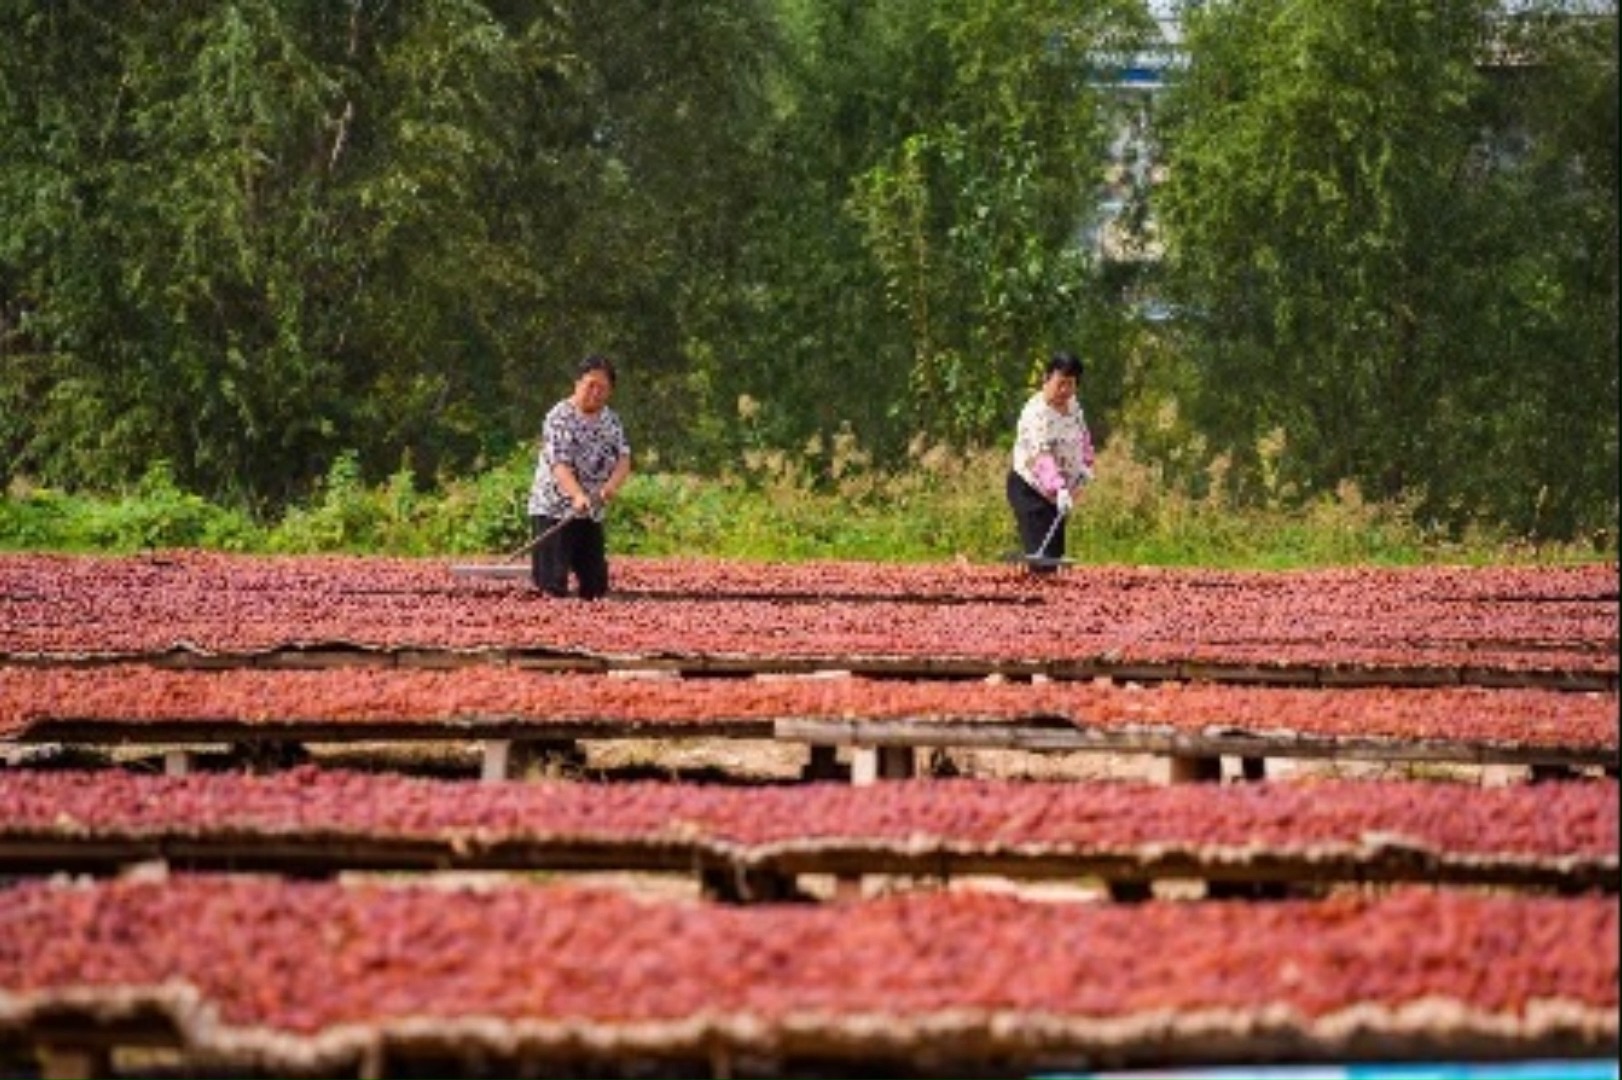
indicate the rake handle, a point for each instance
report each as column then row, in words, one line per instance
column 531, row 545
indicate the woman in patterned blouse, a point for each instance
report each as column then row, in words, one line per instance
column 1053, row 459
column 584, row 460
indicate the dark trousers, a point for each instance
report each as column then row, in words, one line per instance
column 1035, row 515
column 580, row 548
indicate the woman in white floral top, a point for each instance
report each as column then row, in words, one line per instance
column 1052, row 461
column 584, row 460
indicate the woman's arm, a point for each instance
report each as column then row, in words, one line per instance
column 564, row 474
column 616, row 479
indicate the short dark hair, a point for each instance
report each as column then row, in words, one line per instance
column 595, row 362
column 1064, row 363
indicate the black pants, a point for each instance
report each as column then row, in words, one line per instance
column 1035, row 515
column 580, row 548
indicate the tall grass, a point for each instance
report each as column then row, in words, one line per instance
column 826, row 502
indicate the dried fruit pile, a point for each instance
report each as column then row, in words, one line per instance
column 1499, row 619
column 139, row 694
column 269, row 976
column 1568, row 819
column 275, row 973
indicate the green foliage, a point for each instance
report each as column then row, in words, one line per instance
column 972, row 218
column 36, row 520
column 154, row 514
column 161, row 515
column 481, row 514
column 944, row 504
column 1374, row 231
column 487, row 512
column 247, row 237
column 344, row 517
column 778, row 509
column 329, row 263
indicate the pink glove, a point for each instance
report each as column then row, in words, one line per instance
column 1047, row 474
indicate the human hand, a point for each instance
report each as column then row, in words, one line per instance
column 1064, row 501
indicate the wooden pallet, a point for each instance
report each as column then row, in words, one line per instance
column 496, row 571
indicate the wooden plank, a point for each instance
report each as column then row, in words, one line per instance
column 1036, row 734
column 550, row 660
column 449, row 659
column 326, row 658
column 774, row 868
column 1545, row 679
column 1142, row 671
column 326, row 854
column 1080, row 668
column 492, row 571
column 91, row 731
column 1249, row 674
column 1419, row 675
column 993, row 733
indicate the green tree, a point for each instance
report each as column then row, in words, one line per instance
column 1348, row 230
column 974, row 216
column 1550, row 467
column 203, row 203
column 642, row 169
column 917, row 246
column 246, row 237
column 804, row 331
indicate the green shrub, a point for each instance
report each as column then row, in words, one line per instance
column 485, row 513
column 344, row 518
column 156, row 514
column 35, row 519
column 822, row 504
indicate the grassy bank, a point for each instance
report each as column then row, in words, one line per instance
column 943, row 506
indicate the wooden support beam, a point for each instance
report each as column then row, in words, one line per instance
column 496, row 765
column 510, row 759
column 869, row 764
column 1054, row 734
